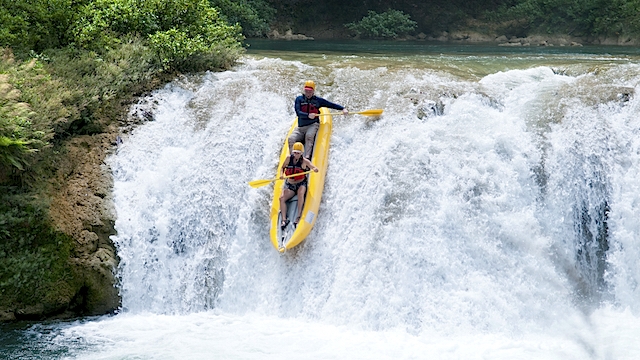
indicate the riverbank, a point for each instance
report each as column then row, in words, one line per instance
column 464, row 37
column 529, row 40
column 474, row 33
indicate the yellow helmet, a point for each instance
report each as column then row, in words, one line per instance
column 310, row 84
column 298, row 147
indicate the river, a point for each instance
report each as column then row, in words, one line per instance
column 490, row 213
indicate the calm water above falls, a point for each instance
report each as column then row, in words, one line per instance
column 491, row 213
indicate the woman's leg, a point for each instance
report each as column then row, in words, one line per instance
column 301, row 191
column 286, row 195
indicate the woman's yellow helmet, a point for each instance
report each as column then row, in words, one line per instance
column 298, row 147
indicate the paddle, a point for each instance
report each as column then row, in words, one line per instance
column 372, row 112
column 263, row 182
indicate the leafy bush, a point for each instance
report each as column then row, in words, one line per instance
column 118, row 46
column 177, row 50
column 176, row 30
column 389, row 24
column 252, row 15
column 90, row 84
column 36, row 24
column 65, row 92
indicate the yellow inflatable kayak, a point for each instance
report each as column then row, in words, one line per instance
column 290, row 237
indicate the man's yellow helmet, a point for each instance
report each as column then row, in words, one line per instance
column 310, row 84
column 298, row 147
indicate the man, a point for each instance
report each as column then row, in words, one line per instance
column 307, row 108
column 294, row 164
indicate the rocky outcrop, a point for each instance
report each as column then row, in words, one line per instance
column 83, row 209
column 530, row 40
column 503, row 40
column 288, row 35
column 539, row 40
column 80, row 208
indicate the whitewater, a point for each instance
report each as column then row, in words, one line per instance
column 488, row 214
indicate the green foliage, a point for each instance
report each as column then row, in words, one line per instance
column 177, row 50
column 87, row 55
column 575, row 17
column 36, row 24
column 90, row 84
column 34, row 259
column 190, row 28
column 253, row 16
column 389, row 24
column 176, row 30
column 73, row 92
column 77, row 60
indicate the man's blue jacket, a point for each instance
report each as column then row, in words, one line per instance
column 305, row 106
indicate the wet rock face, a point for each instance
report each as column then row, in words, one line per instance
column 83, row 209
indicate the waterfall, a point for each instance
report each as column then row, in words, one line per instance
column 501, row 203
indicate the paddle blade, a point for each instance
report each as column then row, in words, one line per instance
column 372, row 112
column 260, row 183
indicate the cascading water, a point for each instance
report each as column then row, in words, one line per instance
column 476, row 206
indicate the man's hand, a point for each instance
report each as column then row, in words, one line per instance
column 315, row 169
column 312, row 116
column 345, row 111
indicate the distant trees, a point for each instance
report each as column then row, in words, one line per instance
column 254, row 16
column 574, row 17
column 581, row 18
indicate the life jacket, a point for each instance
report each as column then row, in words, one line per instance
column 310, row 106
column 295, row 168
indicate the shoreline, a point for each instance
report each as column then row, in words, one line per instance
column 465, row 37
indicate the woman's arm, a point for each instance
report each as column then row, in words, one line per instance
column 310, row 165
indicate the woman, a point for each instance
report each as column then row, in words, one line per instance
column 294, row 164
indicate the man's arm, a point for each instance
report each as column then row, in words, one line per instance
column 329, row 104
